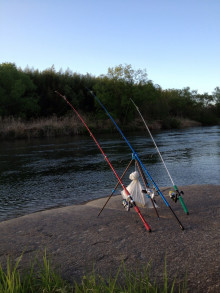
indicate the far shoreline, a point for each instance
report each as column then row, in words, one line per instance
column 16, row 128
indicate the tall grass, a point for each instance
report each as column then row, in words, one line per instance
column 41, row 277
column 126, row 281
column 13, row 128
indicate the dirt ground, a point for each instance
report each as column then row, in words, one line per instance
column 77, row 239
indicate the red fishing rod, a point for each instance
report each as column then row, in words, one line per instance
column 101, row 150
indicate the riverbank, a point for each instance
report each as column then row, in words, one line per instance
column 12, row 128
column 76, row 239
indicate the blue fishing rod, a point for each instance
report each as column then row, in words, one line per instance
column 135, row 155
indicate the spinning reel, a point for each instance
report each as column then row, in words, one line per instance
column 127, row 205
column 151, row 193
column 175, row 195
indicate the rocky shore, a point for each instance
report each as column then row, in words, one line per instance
column 76, row 239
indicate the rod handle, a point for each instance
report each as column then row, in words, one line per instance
column 142, row 218
column 183, row 205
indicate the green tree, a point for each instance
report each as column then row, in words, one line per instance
column 216, row 95
column 204, row 99
column 17, row 93
column 127, row 74
column 117, row 87
column 149, row 98
column 216, row 100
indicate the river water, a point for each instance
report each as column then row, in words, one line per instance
column 39, row 174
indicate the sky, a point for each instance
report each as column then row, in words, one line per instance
column 177, row 42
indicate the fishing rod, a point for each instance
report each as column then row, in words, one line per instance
column 106, row 158
column 146, row 185
column 178, row 194
column 114, row 189
column 138, row 159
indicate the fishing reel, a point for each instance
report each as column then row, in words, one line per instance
column 150, row 193
column 127, row 205
column 175, row 195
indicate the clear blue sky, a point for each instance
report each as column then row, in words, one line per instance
column 176, row 41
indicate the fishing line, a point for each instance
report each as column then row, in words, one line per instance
column 153, row 142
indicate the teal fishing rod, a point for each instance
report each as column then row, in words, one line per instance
column 178, row 194
column 135, row 155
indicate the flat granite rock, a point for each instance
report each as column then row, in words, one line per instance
column 77, row 240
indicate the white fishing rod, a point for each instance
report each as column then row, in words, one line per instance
column 178, row 194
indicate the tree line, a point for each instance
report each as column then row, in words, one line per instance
column 29, row 94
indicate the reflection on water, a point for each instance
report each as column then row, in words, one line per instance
column 40, row 174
